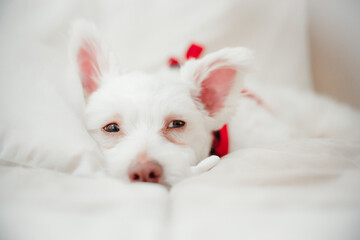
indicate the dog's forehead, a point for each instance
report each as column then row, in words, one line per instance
column 140, row 93
column 146, row 85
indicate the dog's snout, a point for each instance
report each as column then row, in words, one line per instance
column 146, row 172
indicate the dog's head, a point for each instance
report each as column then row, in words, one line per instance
column 154, row 127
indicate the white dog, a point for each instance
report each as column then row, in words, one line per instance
column 153, row 128
column 158, row 127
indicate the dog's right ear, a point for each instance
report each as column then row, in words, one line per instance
column 217, row 80
column 87, row 53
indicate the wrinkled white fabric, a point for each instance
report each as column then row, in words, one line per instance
column 301, row 189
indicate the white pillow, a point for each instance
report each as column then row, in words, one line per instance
column 41, row 123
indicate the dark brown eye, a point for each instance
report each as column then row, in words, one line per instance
column 112, row 127
column 176, row 124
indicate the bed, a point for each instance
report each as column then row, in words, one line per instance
column 52, row 183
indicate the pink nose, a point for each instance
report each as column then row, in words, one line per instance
column 145, row 172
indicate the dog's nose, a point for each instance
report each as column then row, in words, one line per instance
column 146, row 172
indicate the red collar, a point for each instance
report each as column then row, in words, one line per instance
column 220, row 144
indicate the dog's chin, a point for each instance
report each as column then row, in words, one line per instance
column 166, row 182
column 172, row 180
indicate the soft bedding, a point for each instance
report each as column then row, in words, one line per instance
column 295, row 190
column 296, row 176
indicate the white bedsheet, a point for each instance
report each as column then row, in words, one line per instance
column 307, row 189
column 51, row 180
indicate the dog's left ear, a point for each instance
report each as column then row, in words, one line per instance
column 217, row 81
column 90, row 56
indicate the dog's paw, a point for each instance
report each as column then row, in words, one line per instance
column 205, row 165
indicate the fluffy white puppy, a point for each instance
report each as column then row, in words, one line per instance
column 155, row 127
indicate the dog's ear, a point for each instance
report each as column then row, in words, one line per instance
column 89, row 55
column 217, row 81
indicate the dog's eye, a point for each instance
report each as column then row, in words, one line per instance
column 112, row 127
column 176, row 124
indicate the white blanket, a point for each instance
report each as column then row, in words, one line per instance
column 295, row 186
column 299, row 190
